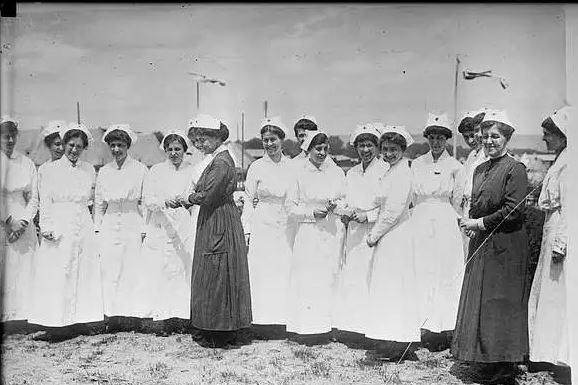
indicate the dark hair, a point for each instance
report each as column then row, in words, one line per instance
column 174, row 137
column 395, row 138
column 11, row 127
column 274, row 130
column 222, row 133
column 478, row 119
column 318, row 139
column 467, row 124
column 365, row 136
column 504, row 129
column 438, row 130
column 304, row 124
column 549, row 125
column 118, row 135
column 51, row 138
column 75, row 133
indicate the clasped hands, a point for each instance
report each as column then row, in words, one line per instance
column 176, row 202
column 15, row 228
column 322, row 213
column 469, row 226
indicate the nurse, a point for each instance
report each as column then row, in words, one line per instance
column 318, row 188
column 437, row 238
column 391, row 314
column 547, row 313
column 67, row 288
column 265, row 227
column 19, row 240
column 362, row 189
column 119, row 222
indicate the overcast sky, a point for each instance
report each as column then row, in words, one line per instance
column 344, row 64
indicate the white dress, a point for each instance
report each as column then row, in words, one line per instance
column 547, row 315
column 466, row 178
column 67, row 287
column 118, row 218
column 437, row 239
column 269, row 255
column 167, row 248
column 20, row 200
column 317, row 250
column 362, row 191
column 392, row 312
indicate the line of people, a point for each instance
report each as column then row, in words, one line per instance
column 385, row 251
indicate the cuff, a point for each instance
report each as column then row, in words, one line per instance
column 480, row 223
column 558, row 248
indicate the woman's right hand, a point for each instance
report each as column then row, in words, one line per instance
column 320, row 213
column 49, row 235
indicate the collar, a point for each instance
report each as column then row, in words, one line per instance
column 127, row 162
column 504, row 152
column 14, row 155
column 444, row 155
column 324, row 166
column 267, row 158
column 223, row 147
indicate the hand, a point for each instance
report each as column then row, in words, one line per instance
column 320, row 213
column 247, row 238
column 557, row 257
column 470, row 233
column 142, row 236
column 370, row 243
column 469, row 224
column 331, row 206
column 172, row 203
column 13, row 236
column 18, row 226
column 255, row 202
column 359, row 217
column 345, row 219
column 48, row 235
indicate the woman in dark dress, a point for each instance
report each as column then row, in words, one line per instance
column 220, row 295
column 492, row 322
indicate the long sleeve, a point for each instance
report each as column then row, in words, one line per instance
column 297, row 211
column 512, row 208
column 217, row 176
column 45, row 203
column 250, row 194
column 561, row 237
column 32, row 205
column 150, row 199
column 99, row 202
column 372, row 215
column 458, row 183
column 391, row 209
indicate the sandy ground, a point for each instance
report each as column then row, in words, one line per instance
column 146, row 359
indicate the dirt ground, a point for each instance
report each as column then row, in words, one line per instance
column 129, row 358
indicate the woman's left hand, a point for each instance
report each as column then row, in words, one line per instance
column 557, row 257
column 359, row 217
column 173, row 203
column 469, row 224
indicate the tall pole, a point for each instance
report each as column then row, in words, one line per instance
column 238, row 130
column 78, row 112
column 265, row 108
column 197, row 96
column 243, row 141
column 455, row 135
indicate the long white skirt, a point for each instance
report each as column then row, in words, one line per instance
column 67, row 286
column 353, row 280
column 313, row 277
column 439, row 261
column 392, row 313
column 269, row 260
column 120, row 244
column 166, row 254
column 17, row 263
column 547, row 316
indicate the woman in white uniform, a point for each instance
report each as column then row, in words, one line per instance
column 547, row 315
column 318, row 189
column 392, row 314
column 119, row 223
column 437, row 237
column 19, row 241
column 362, row 190
column 167, row 246
column 67, row 286
column 266, row 230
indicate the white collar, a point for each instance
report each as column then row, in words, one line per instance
column 223, row 147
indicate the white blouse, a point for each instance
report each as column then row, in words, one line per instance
column 437, row 180
column 554, row 196
column 164, row 181
column 268, row 182
column 363, row 188
column 19, row 187
column 118, row 185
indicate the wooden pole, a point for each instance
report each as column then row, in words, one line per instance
column 78, row 112
column 243, row 141
column 197, row 96
column 456, row 108
column 265, row 108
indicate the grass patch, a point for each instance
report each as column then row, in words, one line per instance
column 305, row 353
column 158, row 370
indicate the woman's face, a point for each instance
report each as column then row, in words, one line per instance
column 175, row 152
column 553, row 141
column 494, row 141
column 118, row 149
column 470, row 138
column 272, row 143
column 318, row 153
column 391, row 152
column 478, row 135
column 301, row 134
column 56, row 148
column 437, row 143
column 8, row 141
column 208, row 143
column 194, row 139
column 367, row 150
column 73, row 149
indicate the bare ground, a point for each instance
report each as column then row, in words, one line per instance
column 129, row 358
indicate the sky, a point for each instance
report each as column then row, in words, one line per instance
column 344, row 64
